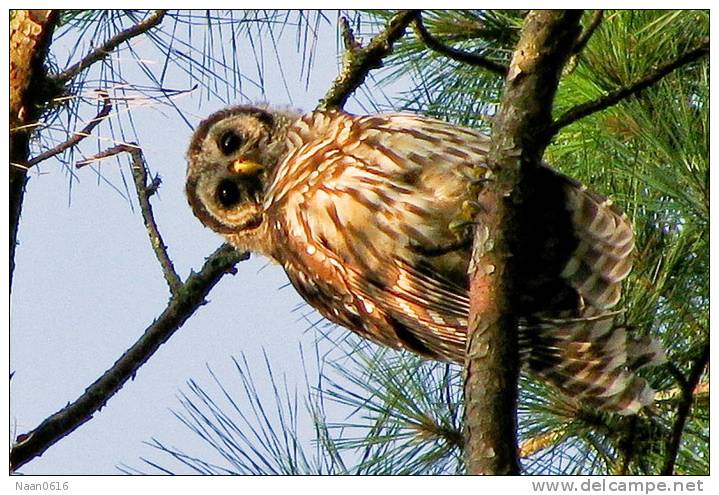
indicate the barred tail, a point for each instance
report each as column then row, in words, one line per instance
column 578, row 347
column 592, row 360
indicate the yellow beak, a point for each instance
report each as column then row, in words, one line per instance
column 245, row 167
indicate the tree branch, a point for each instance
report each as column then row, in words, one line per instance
column 585, row 109
column 626, row 447
column 453, row 53
column 688, row 386
column 103, row 51
column 30, row 36
column 144, row 191
column 588, row 32
column 518, row 142
column 358, row 62
column 181, row 306
column 77, row 136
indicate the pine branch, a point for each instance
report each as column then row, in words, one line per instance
column 190, row 297
column 585, row 109
column 107, row 47
column 358, row 61
column 77, row 136
column 144, row 191
column 453, row 53
column 701, row 391
column 30, row 37
column 588, row 32
column 688, row 386
column 627, row 447
column 518, row 143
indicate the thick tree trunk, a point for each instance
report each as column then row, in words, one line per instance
column 30, row 36
column 520, row 134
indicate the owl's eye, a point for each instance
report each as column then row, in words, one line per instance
column 228, row 194
column 230, row 142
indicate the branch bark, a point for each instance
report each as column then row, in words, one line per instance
column 455, row 54
column 519, row 137
column 688, row 386
column 588, row 32
column 77, row 136
column 30, row 35
column 144, row 191
column 358, row 61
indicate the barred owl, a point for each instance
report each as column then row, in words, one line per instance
column 361, row 212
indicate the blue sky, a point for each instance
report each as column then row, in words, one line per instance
column 87, row 284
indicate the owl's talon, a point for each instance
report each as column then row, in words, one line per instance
column 465, row 219
column 472, row 207
column 480, row 181
column 470, row 210
column 459, row 227
column 477, row 179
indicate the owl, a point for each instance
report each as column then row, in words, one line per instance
column 362, row 213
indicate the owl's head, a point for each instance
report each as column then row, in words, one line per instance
column 231, row 160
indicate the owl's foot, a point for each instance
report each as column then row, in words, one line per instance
column 477, row 179
column 434, row 251
column 462, row 225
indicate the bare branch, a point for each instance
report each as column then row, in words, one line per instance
column 358, row 61
column 103, row 51
column 518, row 143
column 189, row 298
column 688, row 386
column 77, row 136
column 144, row 191
column 583, row 110
column 588, row 32
column 453, row 53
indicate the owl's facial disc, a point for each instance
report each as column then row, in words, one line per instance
column 229, row 160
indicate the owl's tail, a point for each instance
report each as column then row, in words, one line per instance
column 592, row 360
column 578, row 346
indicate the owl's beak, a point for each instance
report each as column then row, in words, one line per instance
column 245, row 167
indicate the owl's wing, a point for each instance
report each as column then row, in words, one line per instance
column 364, row 210
column 374, row 202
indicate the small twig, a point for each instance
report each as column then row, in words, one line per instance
column 358, row 61
column 144, row 191
column 348, row 38
column 679, row 377
column 179, row 309
column 584, row 109
column 588, row 32
column 103, row 51
column 627, row 447
column 688, row 385
column 545, row 440
column 77, row 136
column 455, row 54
